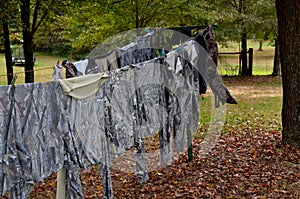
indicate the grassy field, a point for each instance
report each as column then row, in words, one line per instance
column 262, row 60
column 43, row 68
column 259, row 103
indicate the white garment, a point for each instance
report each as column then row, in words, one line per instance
column 81, row 65
column 83, row 86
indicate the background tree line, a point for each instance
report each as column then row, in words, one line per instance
column 73, row 28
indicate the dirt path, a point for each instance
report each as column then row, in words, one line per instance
column 255, row 91
column 255, row 86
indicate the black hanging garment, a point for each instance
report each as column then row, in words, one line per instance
column 71, row 70
column 207, row 40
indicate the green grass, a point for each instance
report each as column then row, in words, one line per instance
column 262, row 60
column 43, row 68
column 259, row 104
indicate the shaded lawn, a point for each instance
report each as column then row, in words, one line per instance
column 43, row 68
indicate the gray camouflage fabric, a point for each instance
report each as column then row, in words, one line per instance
column 43, row 130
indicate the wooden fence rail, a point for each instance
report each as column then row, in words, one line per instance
column 248, row 66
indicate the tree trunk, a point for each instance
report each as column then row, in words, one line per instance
column 244, row 54
column 242, row 10
column 288, row 13
column 276, row 66
column 260, row 47
column 137, row 22
column 8, row 57
column 28, row 40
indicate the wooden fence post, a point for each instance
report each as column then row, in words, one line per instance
column 250, row 61
column 244, row 62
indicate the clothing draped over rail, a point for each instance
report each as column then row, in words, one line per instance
column 43, row 129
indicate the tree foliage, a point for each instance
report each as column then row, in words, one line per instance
column 81, row 25
column 33, row 13
column 256, row 17
column 87, row 23
column 265, row 21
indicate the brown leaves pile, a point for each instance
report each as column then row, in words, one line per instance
column 244, row 164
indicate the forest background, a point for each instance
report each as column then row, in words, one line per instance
column 73, row 28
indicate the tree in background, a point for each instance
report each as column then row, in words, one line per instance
column 288, row 13
column 27, row 20
column 50, row 36
column 27, row 40
column 87, row 23
column 276, row 63
column 6, row 11
column 32, row 15
column 238, row 20
column 233, row 18
column 8, row 56
column 265, row 28
column 80, row 26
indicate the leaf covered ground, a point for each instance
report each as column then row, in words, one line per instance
column 245, row 163
column 248, row 161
